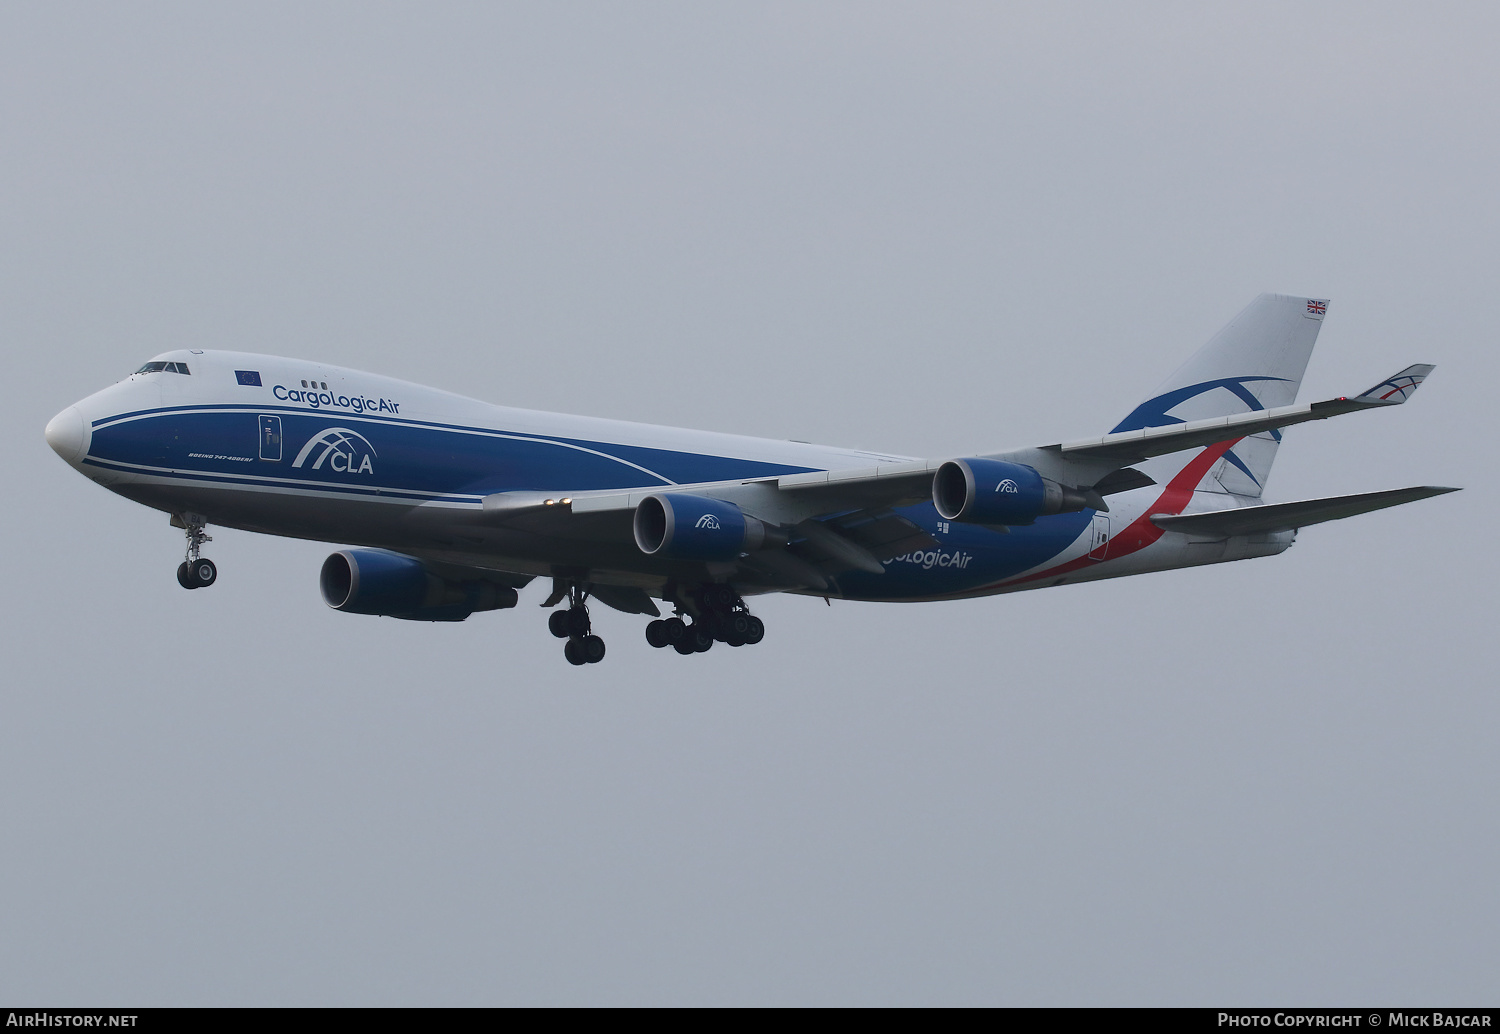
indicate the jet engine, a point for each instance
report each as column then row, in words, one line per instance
column 377, row 581
column 981, row 491
column 675, row 526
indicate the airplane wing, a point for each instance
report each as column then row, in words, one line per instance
column 840, row 520
column 1104, row 463
column 1129, row 447
column 1254, row 520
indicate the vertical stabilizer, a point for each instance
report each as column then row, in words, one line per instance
column 1254, row 363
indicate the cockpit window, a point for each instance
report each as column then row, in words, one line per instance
column 160, row 367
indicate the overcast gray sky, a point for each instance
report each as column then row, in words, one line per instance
column 928, row 228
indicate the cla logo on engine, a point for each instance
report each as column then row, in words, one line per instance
column 708, row 522
column 1007, row 486
column 344, row 450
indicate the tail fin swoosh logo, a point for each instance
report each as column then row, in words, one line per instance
column 1402, row 388
column 343, row 450
column 1156, row 412
column 1399, row 387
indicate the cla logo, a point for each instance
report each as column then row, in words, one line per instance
column 344, row 450
column 708, row 522
column 1007, row 486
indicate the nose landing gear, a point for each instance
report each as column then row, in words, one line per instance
column 195, row 572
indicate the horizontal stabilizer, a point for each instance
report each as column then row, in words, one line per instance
column 1254, row 520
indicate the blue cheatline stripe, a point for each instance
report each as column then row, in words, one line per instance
column 472, row 434
column 287, row 484
column 215, row 407
column 647, row 453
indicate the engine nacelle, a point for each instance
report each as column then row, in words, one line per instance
column 376, row 581
column 694, row 527
column 981, row 491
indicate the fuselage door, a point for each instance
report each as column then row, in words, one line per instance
column 270, row 438
column 1099, row 537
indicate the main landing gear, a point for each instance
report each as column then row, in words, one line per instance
column 715, row 613
column 722, row 617
column 195, row 572
column 583, row 647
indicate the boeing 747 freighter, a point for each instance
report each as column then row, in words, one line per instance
column 450, row 506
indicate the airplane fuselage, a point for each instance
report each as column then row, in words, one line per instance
column 313, row 451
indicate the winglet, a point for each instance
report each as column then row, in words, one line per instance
column 1397, row 388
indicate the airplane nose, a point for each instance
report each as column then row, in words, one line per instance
column 68, row 435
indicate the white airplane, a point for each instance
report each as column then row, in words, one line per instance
column 456, row 504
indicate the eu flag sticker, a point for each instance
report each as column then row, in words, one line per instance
column 248, row 377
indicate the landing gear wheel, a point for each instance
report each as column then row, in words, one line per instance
column 674, row 631
column 194, row 572
column 737, row 629
column 701, row 639
column 755, row 630
column 685, row 647
column 582, row 647
column 656, row 634
column 592, row 648
column 738, row 625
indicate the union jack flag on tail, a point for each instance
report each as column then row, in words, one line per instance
column 1316, row 307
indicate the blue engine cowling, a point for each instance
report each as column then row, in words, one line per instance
column 377, row 581
column 694, row 527
column 981, row 491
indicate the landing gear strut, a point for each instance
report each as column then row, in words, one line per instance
column 195, row 572
column 721, row 616
column 583, row 647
